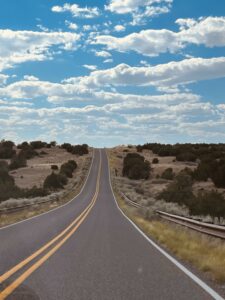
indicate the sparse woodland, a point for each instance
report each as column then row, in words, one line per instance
column 14, row 157
column 201, row 164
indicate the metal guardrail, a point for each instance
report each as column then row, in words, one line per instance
column 206, row 228
column 130, row 202
column 21, row 207
column 209, row 229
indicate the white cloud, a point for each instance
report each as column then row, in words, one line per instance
column 90, row 67
column 77, row 11
column 70, row 91
column 158, row 117
column 22, row 46
column 43, row 28
column 72, row 26
column 102, row 53
column 87, row 27
column 3, row 79
column 30, row 78
column 165, row 75
column 139, row 8
column 119, row 28
column 109, row 60
column 208, row 32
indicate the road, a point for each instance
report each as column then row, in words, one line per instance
column 88, row 249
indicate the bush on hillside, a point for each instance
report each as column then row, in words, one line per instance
column 168, row 174
column 136, row 167
column 38, row 144
column 208, row 203
column 55, row 181
column 179, row 191
column 155, row 160
column 6, row 149
column 77, row 149
column 68, row 168
column 54, row 167
column 18, row 161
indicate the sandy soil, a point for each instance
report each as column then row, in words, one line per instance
column 38, row 168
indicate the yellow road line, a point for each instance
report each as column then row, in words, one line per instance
column 27, row 273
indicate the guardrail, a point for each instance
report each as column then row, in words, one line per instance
column 210, row 229
column 9, row 210
column 206, row 228
column 130, row 202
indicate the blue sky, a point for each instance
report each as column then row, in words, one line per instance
column 112, row 72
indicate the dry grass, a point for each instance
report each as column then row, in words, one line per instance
column 205, row 253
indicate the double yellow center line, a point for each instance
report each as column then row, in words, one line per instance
column 66, row 234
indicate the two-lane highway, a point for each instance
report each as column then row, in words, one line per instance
column 87, row 250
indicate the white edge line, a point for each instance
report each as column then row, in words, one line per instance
column 50, row 211
column 196, row 279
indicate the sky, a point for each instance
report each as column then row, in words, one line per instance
column 112, row 72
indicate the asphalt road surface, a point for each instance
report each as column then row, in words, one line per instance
column 87, row 249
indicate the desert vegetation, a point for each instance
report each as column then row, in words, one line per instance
column 77, row 149
column 187, row 179
column 135, row 166
column 17, row 160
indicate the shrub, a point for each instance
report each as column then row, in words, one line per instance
column 179, row 191
column 38, row 144
column 208, row 203
column 80, row 149
column 168, row 174
column 68, row 147
column 18, row 161
column 214, row 169
column 218, row 176
column 55, row 181
column 10, row 190
column 135, row 167
column 6, row 149
column 5, row 178
column 77, row 149
column 54, row 167
column 187, row 156
column 27, row 150
column 68, row 168
column 155, row 160
column 35, row 192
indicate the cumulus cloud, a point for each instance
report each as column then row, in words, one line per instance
column 22, row 46
column 71, row 25
column 102, row 53
column 30, row 77
column 208, row 32
column 139, row 9
column 156, row 116
column 164, row 75
column 3, row 79
column 119, row 28
column 90, row 67
column 77, row 11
